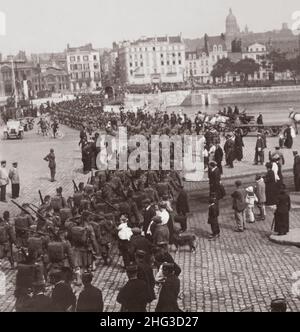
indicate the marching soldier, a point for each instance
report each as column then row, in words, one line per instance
column 7, row 240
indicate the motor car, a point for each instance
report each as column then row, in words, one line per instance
column 13, row 129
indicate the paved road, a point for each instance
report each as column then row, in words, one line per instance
column 237, row 271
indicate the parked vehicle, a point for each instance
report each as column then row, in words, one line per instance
column 13, row 129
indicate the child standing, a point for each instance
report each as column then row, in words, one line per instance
column 250, row 201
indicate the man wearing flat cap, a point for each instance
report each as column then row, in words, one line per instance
column 15, row 180
column 134, row 295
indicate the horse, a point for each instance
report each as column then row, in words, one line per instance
column 295, row 117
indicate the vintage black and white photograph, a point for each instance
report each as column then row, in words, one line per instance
column 150, row 157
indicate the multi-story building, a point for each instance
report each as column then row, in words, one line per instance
column 83, row 65
column 23, row 72
column 152, row 61
column 45, row 60
column 199, row 64
column 50, row 80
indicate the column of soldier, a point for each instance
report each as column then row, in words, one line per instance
column 63, row 241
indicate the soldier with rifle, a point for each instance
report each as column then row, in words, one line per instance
column 23, row 222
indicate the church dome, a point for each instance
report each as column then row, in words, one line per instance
column 231, row 23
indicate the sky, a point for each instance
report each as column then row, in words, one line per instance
column 48, row 26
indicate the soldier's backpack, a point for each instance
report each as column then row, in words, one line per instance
column 56, row 252
column 77, row 197
column 21, row 224
column 65, row 214
column 97, row 230
column 79, row 235
column 3, row 234
column 162, row 188
column 56, row 203
column 35, row 244
column 89, row 189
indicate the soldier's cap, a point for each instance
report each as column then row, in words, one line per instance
column 162, row 244
column 136, row 231
column 132, row 268
column 15, row 163
column 147, row 201
column 276, row 157
column 295, row 153
column 3, row 162
column 140, row 253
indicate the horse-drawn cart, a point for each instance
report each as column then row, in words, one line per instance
column 272, row 130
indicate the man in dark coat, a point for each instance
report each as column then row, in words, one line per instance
column 139, row 242
column 259, row 150
column 219, row 154
column 260, row 120
column 229, row 151
column 63, row 297
column 182, row 202
column 39, row 302
column 296, row 170
column 168, row 296
column 214, row 177
column 145, row 272
column 239, row 206
column 50, row 158
column 90, row 299
column 134, row 296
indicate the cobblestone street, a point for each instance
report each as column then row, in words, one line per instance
column 235, row 272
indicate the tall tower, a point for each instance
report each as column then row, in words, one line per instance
column 232, row 29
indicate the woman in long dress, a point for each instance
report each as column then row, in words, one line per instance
column 288, row 143
column 283, row 206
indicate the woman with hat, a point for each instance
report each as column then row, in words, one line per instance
column 271, row 186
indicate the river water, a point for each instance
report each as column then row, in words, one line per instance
column 277, row 113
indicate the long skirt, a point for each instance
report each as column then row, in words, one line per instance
column 282, row 222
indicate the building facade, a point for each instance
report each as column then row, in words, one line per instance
column 84, row 69
column 152, row 61
column 199, row 64
column 50, row 80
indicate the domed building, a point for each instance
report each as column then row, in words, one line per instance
column 232, row 29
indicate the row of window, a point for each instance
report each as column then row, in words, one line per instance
column 163, row 63
column 162, row 71
column 83, row 75
column 73, row 58
column 60, row 87
column 196, row 72
column 161, row 55
column 85, row 66
column 156, row 48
